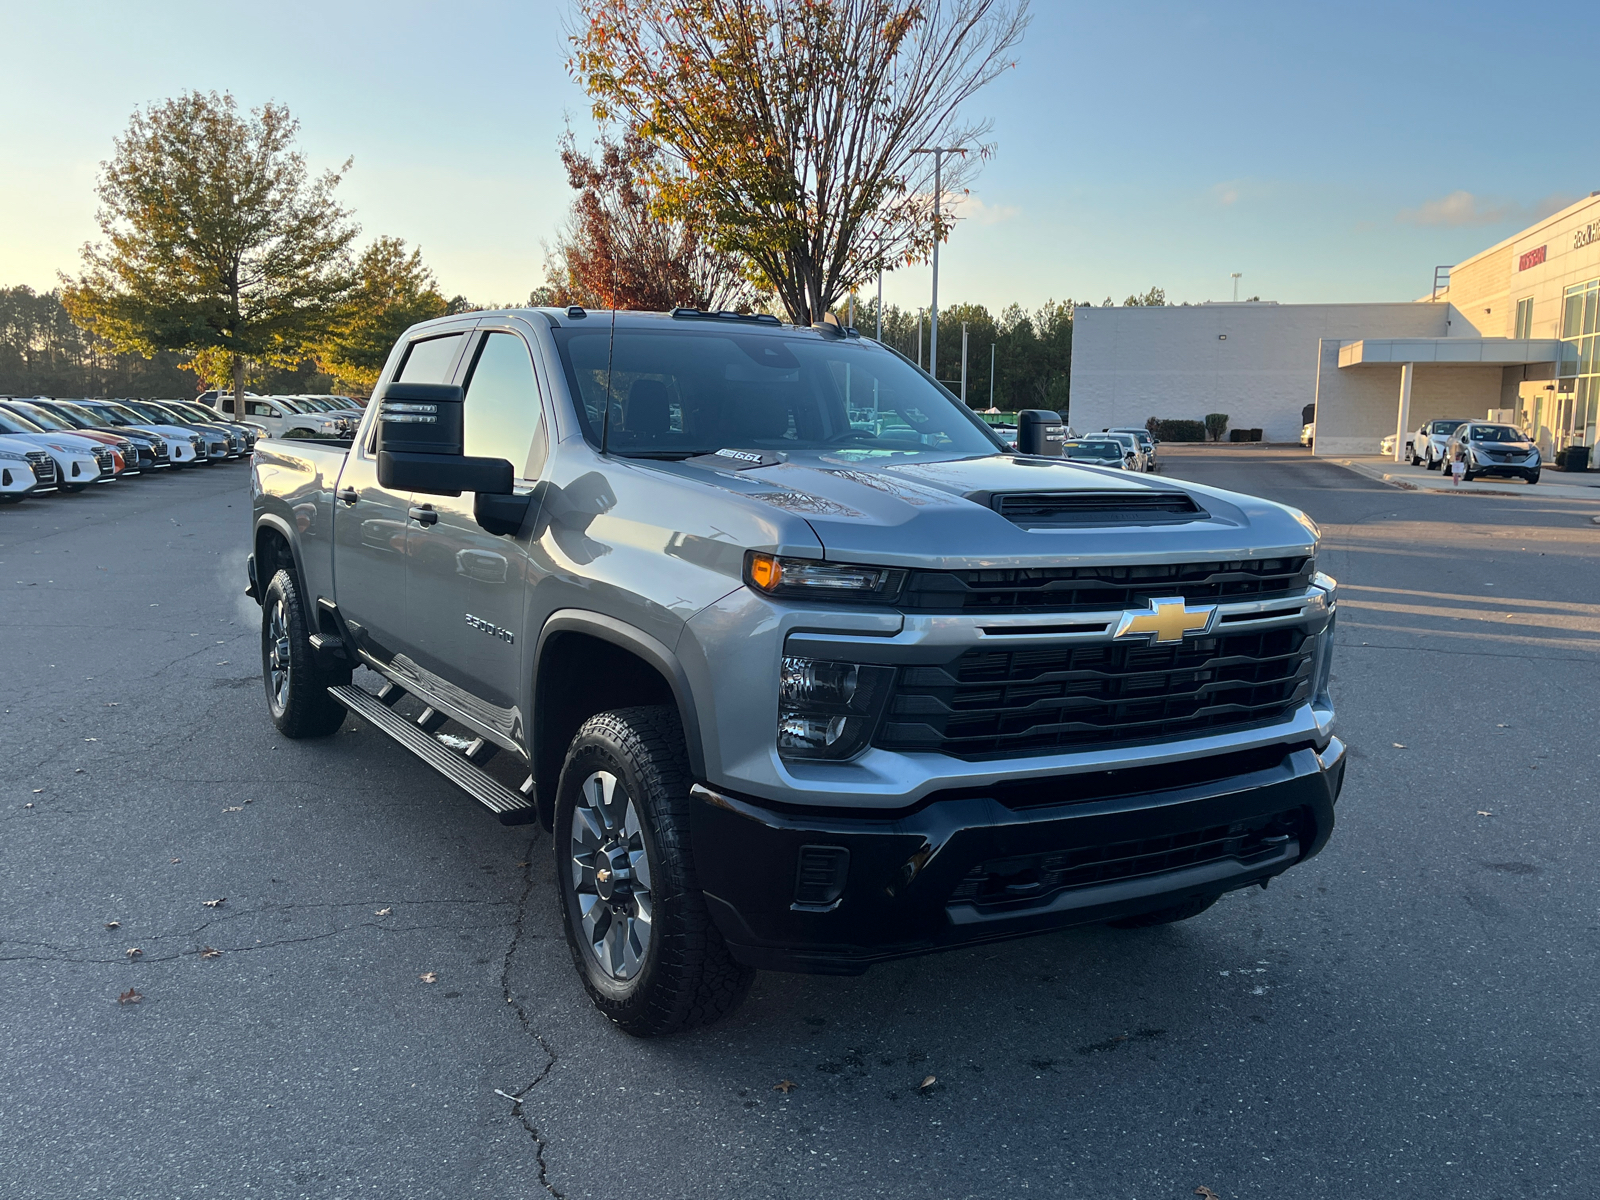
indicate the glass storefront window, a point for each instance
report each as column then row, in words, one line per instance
column 1571, row 419
column 1524, row 318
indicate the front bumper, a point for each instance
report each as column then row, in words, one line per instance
column 1520, row 469
column 978, row 865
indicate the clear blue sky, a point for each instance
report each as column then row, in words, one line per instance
column 1329, row 153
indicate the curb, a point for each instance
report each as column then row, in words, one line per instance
column 1407, row 485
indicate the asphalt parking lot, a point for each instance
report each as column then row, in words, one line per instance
column 1410, row 1014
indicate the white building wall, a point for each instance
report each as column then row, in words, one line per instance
column 1256, row 362
column 1358, row 406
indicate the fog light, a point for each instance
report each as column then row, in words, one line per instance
column 797, row 731
column 820, row 876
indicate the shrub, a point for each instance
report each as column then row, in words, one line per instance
column 1216, row 425
column 1176, row 431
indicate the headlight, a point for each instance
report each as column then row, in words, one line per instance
column 808, row 579
column 828, row 709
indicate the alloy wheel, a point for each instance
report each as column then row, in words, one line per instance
column 278, row 668
column 611, row 875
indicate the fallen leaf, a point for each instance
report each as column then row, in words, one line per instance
column 1203, row 1190
column 91, row 739
column 77, row 770
column 28, row 805
column 111, row 704
column 522, row 864
column 131, row 996
column 235, row 808
column 1485, row 813
column 784, row 1085
column 210, row 952
column 383, row 912
column 134, row 952
column 928, row 1082
column 177, row 860
column 217, row 903
column 36, row 791
column 1399, row 746
column 429, row 977
column 113, row 924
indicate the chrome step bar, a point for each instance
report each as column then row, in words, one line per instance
column 510, row 807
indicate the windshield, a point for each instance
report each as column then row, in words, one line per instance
column 1093, row 450
column 193, row 411
column 38, row 415
column 11, row 422
column 682, row 392
column 1127, row 440
column 287, row 405
column 1497, row 433
column 1445, row 426
column 115, row 414
column 313, row 404
column 143, row 411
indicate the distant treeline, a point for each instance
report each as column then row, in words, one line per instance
column 42, row 353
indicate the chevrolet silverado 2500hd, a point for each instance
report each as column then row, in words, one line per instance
column 803, row 668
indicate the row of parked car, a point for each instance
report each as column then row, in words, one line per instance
column 1485, row 447
column 49, row 444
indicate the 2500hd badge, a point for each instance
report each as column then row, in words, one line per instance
column 800, row 665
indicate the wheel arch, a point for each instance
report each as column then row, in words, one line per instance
column 586, row 663
column 274, row 547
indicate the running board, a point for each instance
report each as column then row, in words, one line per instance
column 510, row 807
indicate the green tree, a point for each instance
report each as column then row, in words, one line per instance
column 394, row 290
column 1154, row 298
column 218, row 243
column 1216, row 425
column 795, row 128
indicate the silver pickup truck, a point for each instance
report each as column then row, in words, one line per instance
column 803, row 668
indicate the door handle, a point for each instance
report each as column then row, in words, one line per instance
column 349, row 495
column 423, row 515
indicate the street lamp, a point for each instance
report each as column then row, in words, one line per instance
column 1235, row 275
column 938, row 153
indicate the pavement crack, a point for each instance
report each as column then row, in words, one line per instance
column 541, row 1145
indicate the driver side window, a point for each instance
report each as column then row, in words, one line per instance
column 502, row 416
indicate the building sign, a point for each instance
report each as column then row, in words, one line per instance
column 1585, row 236
column 1532, row 258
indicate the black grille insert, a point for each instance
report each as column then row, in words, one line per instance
column 1096, row 589
column 1034, row 699
column 1032, row 879
column 44, row 467
column 1097, row 508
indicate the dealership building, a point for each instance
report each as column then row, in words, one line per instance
column 1509, row 332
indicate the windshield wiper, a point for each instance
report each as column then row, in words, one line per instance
column 665, row 455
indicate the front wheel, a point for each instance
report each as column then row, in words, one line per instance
column 1533, row 476
column 297, row 684
column 643, row 942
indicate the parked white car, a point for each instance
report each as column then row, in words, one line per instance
column 282, row 417
column 1308, row 434
column 79, row 460
column 1428, row 443
column 17, row 477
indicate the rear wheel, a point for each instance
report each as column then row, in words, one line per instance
column 641, row 937
column 1166, row 916
column 297, row 683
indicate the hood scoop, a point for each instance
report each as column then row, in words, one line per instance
column 1056, row 510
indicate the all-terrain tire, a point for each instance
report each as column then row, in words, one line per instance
column 1166, row 916
column 686, row 976
column 297, row 682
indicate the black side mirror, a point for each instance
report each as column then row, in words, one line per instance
column 1040, row 432
column 420, row 444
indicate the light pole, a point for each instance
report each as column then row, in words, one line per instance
column 991, row 374
column 964, row 363
column 880, row 301
column 1235, row 286
column 920, row 311
column 938, row 153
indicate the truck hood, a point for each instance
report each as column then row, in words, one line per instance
column 944, row 515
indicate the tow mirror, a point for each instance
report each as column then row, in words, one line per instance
column 1040, row 432
column 420, row 444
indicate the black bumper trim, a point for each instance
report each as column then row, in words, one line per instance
column 905, row 865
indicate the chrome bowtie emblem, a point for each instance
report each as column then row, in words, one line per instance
column 1167, row 620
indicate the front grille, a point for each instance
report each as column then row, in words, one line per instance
column 219, row 448
column 1031, row 879
column 44, row 467
column 158, row 453
column 1034, row 699
column 104, row 460
column 1098, row 589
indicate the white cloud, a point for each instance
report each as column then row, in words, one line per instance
column 1225, row 194
column 1462, row 208
column 970, row 208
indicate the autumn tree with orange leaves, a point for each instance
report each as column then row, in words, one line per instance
column 619, row 251
column 790, row 130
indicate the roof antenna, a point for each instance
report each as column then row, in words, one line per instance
column 611, row 345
